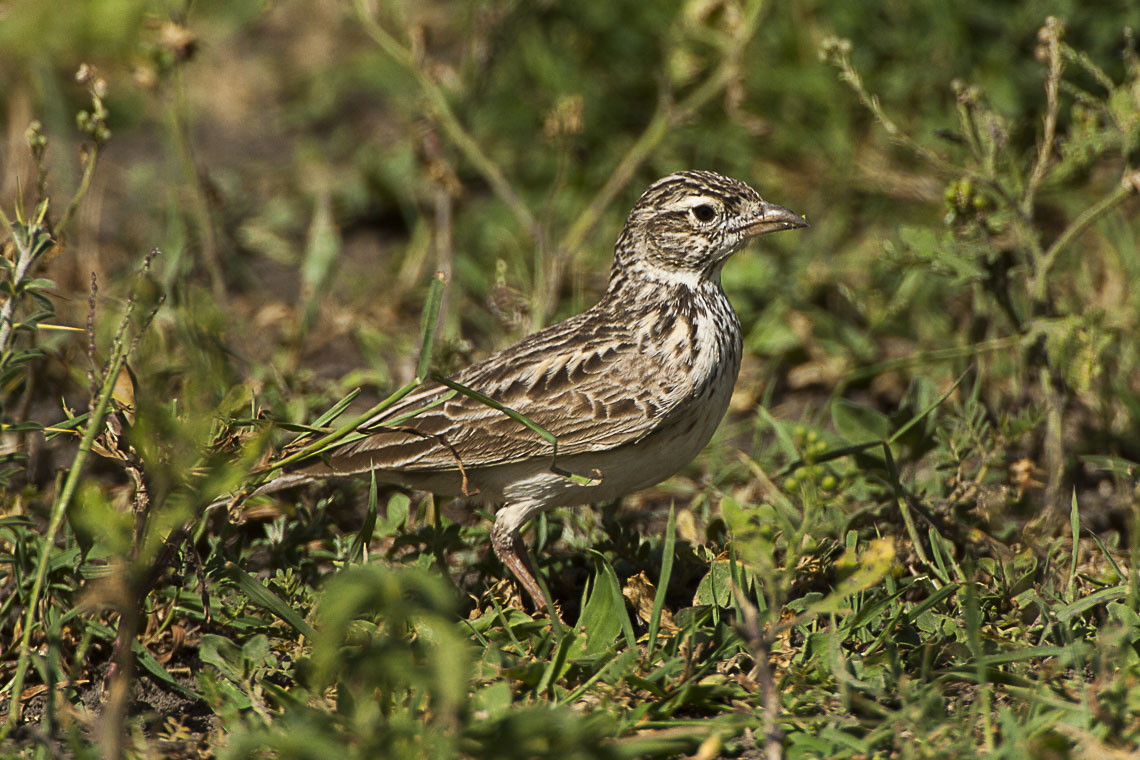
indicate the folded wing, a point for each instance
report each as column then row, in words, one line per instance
column 584, row 393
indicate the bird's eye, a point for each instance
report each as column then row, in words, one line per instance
column 704, row 212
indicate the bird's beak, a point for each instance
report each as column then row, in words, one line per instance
column 774, row 218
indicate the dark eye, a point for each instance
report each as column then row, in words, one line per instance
column 704, row 212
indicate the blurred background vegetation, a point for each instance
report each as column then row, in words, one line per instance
column 967, row 291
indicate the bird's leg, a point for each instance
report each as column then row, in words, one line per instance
column 511, row 549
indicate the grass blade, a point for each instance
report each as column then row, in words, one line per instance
column 266, row 599
column 364, row 535
column 663, row 581
column 428, row 323
column 1075, row 528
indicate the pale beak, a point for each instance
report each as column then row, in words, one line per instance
column 774, row 218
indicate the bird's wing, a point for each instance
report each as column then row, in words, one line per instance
column 585, row 380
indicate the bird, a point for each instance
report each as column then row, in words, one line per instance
column 631, row 389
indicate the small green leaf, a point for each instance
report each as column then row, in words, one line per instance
column 321, row 253
column 604, row 615
column 223, row 654
column 858, row 423
column 395, row 514
column 22, row 427
column 494, row 699
column 39, row 283
column 156, row 669
column 716, row 587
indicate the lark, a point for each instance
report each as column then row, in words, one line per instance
column 631, row 389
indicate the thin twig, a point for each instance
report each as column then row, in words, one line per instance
column 94, row 123
column 442, row 237
column 773, row 734
column 1053, row 448
column 1129, row 184
column 199, row 199
column 837, row 53
column 1050, row 36
column 1081, row 58
column 92, row 295
column 448, row 122
column 120, row 677
column 760, row 646
column 91, row 158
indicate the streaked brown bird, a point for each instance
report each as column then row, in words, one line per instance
column 632, row 388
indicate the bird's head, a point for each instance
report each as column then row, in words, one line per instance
column 687, row 224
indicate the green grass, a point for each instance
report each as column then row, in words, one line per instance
column 914, row 535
